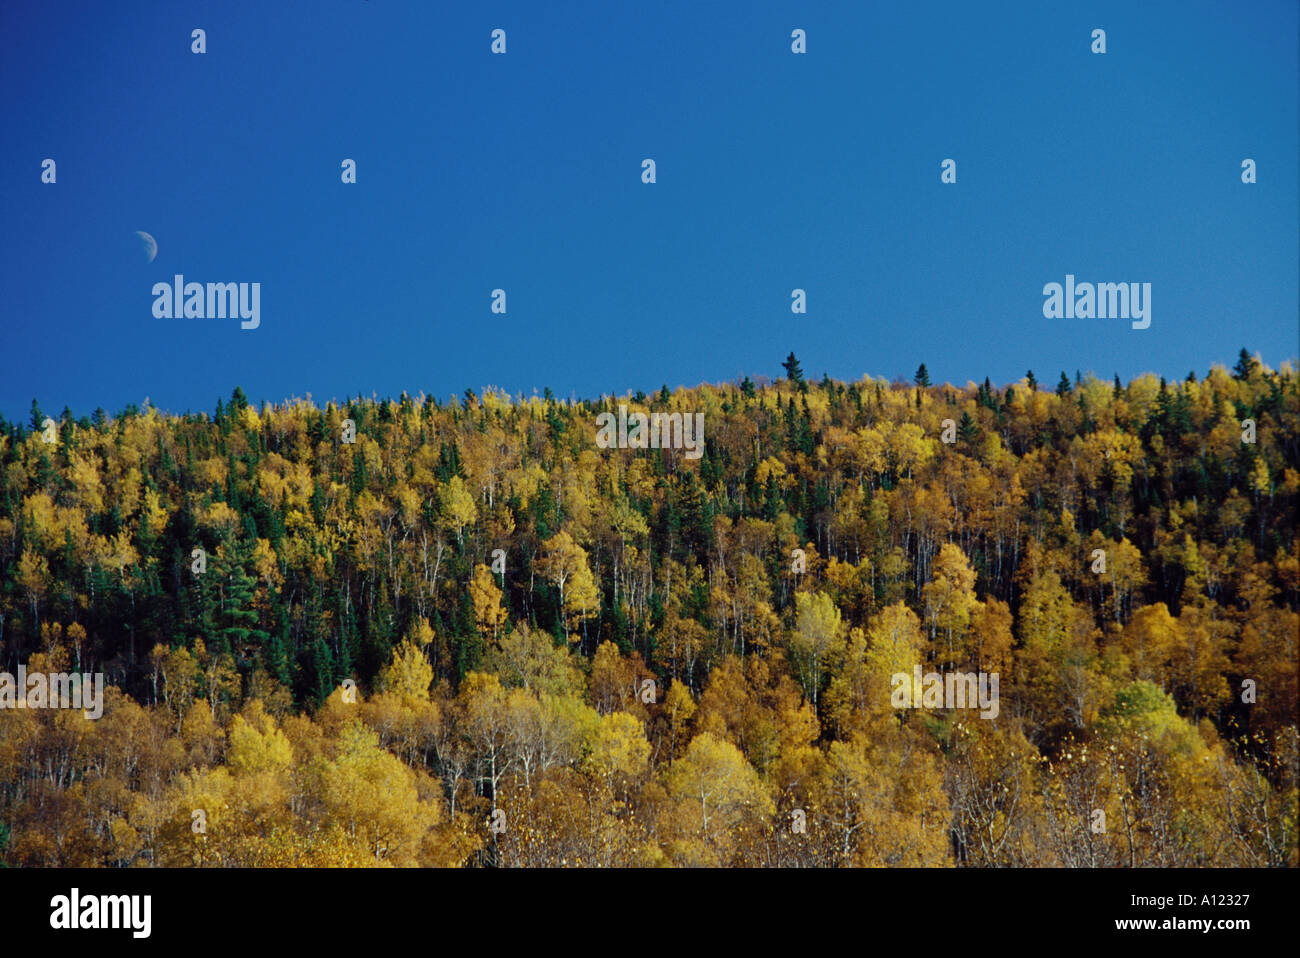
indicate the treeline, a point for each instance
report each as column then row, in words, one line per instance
column 413, row 631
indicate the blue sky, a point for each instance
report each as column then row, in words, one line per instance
column 523, row 172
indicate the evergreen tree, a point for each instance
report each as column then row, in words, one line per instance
column 323, row 668
column 237, row 621
column 1246, row 365
column 792, row 370
column 967, row 430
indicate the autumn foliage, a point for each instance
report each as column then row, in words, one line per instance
column 471, row 637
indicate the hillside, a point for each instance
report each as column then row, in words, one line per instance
column 466, row 632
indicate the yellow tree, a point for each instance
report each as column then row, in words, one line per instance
column 678, row 646
column 375, row 799
column 717, row 803
column 949, row 599
column 564, row 564
column 1149, row 641
column 486, row 599
column 1057, row 680
column 458, row 507
column 618, row 753
column 613, row 680
column 881, row 802
column 679, row 709
column 895, row 647
column 988, row 645
column 529, row 657
column 817, row 637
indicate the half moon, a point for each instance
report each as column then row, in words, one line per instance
column 149, row 244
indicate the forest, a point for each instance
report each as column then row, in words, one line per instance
column 412, row 632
